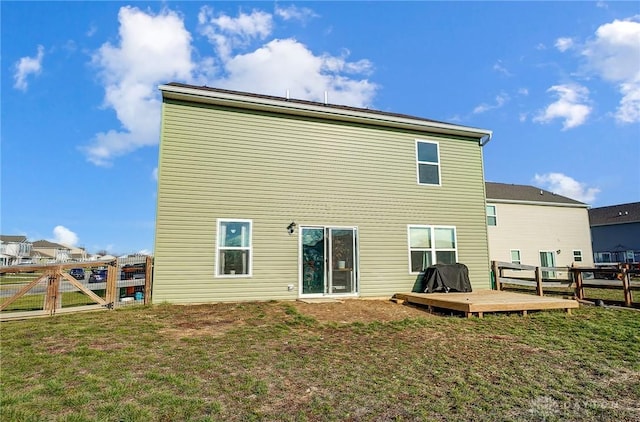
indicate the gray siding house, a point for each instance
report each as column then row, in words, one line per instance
column 615, row 231
column 263, row 197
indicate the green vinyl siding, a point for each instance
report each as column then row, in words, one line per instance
column 225, row 163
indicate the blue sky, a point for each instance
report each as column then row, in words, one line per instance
column 557, row 82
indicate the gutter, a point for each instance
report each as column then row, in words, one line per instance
column 319, row 110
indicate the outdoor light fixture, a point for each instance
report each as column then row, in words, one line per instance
column 291, row 227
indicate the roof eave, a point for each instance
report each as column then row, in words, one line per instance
column 319, row 111
column 546, row 204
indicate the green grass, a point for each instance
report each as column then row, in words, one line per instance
column 269, row 361
column 35, row 302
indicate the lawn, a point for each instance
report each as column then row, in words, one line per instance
column 357, row 360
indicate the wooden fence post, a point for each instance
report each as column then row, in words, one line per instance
column 496, row 275
column 626, row 287
column 538, row 281
column 111, row 291
column 579, row 287
column 53, row 291
column 148, row 273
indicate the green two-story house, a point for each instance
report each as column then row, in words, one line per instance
column 263, row 197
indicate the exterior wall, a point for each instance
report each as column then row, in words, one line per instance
column 230, row 163
column 617, row 237
column 535, row 228
column 13, row 253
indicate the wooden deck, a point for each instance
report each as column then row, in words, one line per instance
column 483, row 301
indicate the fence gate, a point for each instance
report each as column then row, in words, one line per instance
column 44, row 290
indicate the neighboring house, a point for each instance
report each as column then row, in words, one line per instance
column 14, row 250
column 532, row 226
column 263, row 197
column 77, row 254
column 615, row 231
column 45, row 252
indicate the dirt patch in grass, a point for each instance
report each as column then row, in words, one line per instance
column 358, row 310
column 208, row 320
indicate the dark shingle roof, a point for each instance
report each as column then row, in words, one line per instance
column 9, row 238
column 509, row 192
column 615, row 214
column 307, row 102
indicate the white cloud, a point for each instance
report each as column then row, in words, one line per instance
column 572, row 105
column 91, row 31
column 152, row 49
column 523, row 117
column 282, row 65
column 501, row 100
column 498, row 67
column 566, row 186
column 27, row 66
column 523, row 91
column 64, row 236
column 614, row 55
column 227, row 33
column 564, row 44
column 154, row 174
column 292, row 12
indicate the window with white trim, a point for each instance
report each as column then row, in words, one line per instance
column 429, row 245
column 492, row 218
column 577, row 256
column 233, row 248
column 428, row 162
column 515, row 256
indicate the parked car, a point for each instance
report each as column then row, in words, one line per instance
column 133, row 271
column 77, row 273
column 98, row 276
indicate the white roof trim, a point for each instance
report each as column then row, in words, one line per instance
column 546, row 204
column 317, row 110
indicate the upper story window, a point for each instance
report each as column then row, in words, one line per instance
column 492, row 218
column 429, row 245
column 428, row 162
column 577, row 256
column 234, row 248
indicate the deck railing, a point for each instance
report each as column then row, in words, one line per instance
column 619, row 277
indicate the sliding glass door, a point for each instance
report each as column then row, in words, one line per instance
column 329, row 261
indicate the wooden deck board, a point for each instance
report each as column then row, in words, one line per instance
column 483, row 301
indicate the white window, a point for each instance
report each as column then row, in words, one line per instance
column 428, row 162
column 429, row 245
column 577, row 256
column 515, row 256
column 234, row 248
column 492, row 218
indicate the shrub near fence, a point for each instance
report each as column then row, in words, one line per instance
column 575, row 279
column 38, row 290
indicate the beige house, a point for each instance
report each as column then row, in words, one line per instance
column 44, row 251
column 532, row 226
column 264, row 197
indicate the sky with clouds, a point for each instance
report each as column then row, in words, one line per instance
column 81, row 106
